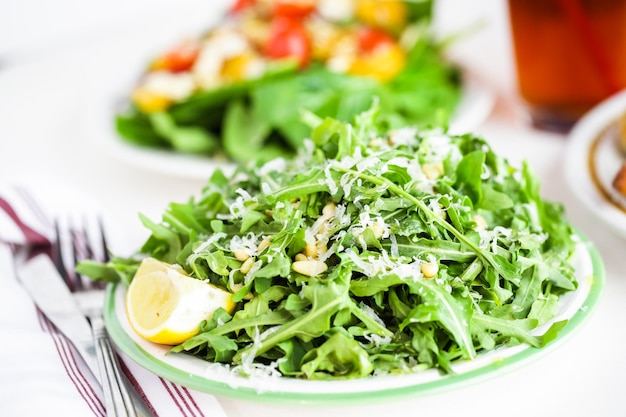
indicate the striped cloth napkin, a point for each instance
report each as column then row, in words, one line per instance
column 41, row 372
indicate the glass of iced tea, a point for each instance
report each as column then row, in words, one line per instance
column 569, row 54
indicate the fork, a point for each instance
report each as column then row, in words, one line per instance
column 72, row 245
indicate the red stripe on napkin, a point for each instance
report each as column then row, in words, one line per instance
column 68, row 360
column 31, row 235
column 131, row 378
column 190, row 402
column 177, row 394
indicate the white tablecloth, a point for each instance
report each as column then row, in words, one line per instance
column 45, row 98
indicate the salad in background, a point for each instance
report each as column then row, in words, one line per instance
column 239, row 90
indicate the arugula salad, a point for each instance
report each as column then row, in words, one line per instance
column 237, row 91
column 374, row 251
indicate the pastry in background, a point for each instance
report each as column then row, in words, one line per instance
column 619, row 183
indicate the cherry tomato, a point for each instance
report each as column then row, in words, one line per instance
column 289, row 39
column 370, row 38
column 295, row 9
column 181, row 58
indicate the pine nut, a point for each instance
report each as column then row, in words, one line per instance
column 310, row 250
column 378, row 229
column 329, row 209
column 241, row 254
column 429, row 269
column 320, row 248
column 264, row 244
column 301, row 257
column 236, row 287
column 247, row 266
column 432, row 171
column 309, row 268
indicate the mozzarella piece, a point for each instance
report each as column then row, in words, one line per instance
column 175, row 86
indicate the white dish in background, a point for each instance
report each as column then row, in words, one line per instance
column 473, row 109
column 201, row 375
column 593, row 159
column 101, row 130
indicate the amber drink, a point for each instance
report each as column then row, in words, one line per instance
column 569, row 54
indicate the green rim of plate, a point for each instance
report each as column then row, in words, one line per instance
column 447, row 382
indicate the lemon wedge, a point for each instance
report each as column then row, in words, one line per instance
column 165, row 305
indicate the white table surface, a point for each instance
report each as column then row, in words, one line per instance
column 46, row 90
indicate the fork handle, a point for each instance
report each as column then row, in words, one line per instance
column 117, row 397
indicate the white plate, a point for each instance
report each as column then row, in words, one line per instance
column 473, row 109
column 593, row 159
column 101, row 131
column 198, row 374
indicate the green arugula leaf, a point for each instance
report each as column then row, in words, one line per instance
column 184, row 139
column 340, row 356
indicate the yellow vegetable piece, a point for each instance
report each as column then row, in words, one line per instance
column 149, row 102
column 158, row 64
column 165, row 305
column 329, row 40
column 236, row 68
column 382, row 64
column 390, row 15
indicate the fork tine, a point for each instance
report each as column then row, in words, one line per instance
column 73, row 244
column 56, row 252
column 81, row 250
column 105, row 251
column 89, row 243
column 105, row 247
column 60, row 258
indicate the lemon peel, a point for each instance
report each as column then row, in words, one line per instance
column 165, row 305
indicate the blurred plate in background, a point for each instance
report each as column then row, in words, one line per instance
column 593, row 159
column 473, row 109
